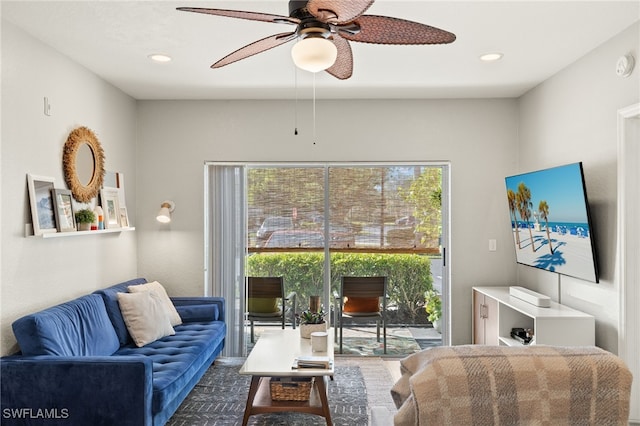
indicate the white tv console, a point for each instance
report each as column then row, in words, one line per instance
column 496, row 312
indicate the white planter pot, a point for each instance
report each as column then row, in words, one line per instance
column 84, row 227
column 307, row 329
column 437, row 326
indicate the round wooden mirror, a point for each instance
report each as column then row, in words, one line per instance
column 83, row 163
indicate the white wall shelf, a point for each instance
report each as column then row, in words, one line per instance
column 82, row 233
column 496, row 312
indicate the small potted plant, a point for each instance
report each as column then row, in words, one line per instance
column 433, row 306
column 311, row 321
column 84, row 219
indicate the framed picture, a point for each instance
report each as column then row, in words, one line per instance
column 124, row 218
column 115, row 180
column 65, row 220
column 41, row 201
column 110, row 207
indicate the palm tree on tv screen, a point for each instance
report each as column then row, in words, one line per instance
column 511, row 197
column 523, row 198
column 543, row 208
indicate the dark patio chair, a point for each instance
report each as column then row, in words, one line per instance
column 266, row 301
column 362, row 299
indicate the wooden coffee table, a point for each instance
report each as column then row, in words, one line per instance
column 272, row 356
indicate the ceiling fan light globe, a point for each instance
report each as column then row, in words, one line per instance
column 314, row 54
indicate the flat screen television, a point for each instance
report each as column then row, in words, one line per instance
column 550, row 221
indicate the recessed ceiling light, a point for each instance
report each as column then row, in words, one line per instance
column 490, row 57
column 160, row 57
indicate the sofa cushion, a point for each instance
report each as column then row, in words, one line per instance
column 361, row 305
column 110, row 297
column 157, row 288
column 263, row 305
column 197, row 313
column 80, row 327
column 145, row 315
column 176, row 359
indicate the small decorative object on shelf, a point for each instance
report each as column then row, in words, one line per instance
column 111, row 207
column 310, row 322
column 100, row 217
column 84, row 219
column 65, row 220
column 41, row 200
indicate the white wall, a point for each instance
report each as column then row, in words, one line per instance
column 572, row 117
column 479, row 137
column 38, row 273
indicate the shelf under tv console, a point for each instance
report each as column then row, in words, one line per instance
column 496, row 312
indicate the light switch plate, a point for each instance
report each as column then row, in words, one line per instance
column 47, row 107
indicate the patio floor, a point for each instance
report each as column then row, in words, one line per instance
column 360, row 340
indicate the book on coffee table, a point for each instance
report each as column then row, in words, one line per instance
column 312, row 362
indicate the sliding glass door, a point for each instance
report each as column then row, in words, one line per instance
column 314, row 223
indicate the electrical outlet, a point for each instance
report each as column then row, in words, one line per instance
column 492, row 245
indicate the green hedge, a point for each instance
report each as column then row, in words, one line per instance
column 408, row 275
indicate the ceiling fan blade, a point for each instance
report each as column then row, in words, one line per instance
column 338, row 11
column 255, row 48
column 386, row 30
column 253, row 16
column 343, row 67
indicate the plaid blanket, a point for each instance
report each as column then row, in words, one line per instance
column 497, row 385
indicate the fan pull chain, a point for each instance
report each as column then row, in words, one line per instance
column 295, row 119
column 314, row 108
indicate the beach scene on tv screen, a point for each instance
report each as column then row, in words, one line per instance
column 550, row 222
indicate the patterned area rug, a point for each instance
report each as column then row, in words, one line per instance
column 219, row 399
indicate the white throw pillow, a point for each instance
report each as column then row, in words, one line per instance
column 145, row 316
column 159, row 291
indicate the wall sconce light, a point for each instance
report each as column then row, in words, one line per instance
column 164, row 215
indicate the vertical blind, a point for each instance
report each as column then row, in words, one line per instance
column 226, row 242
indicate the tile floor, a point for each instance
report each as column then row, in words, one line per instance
column 422, row 335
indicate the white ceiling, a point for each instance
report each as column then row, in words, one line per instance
column 113, row 38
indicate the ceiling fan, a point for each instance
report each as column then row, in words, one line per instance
column 324, row 29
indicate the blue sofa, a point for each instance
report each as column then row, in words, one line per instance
column 79, row 366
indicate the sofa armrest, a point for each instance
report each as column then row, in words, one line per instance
column 192, row 309
column 76, row 390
